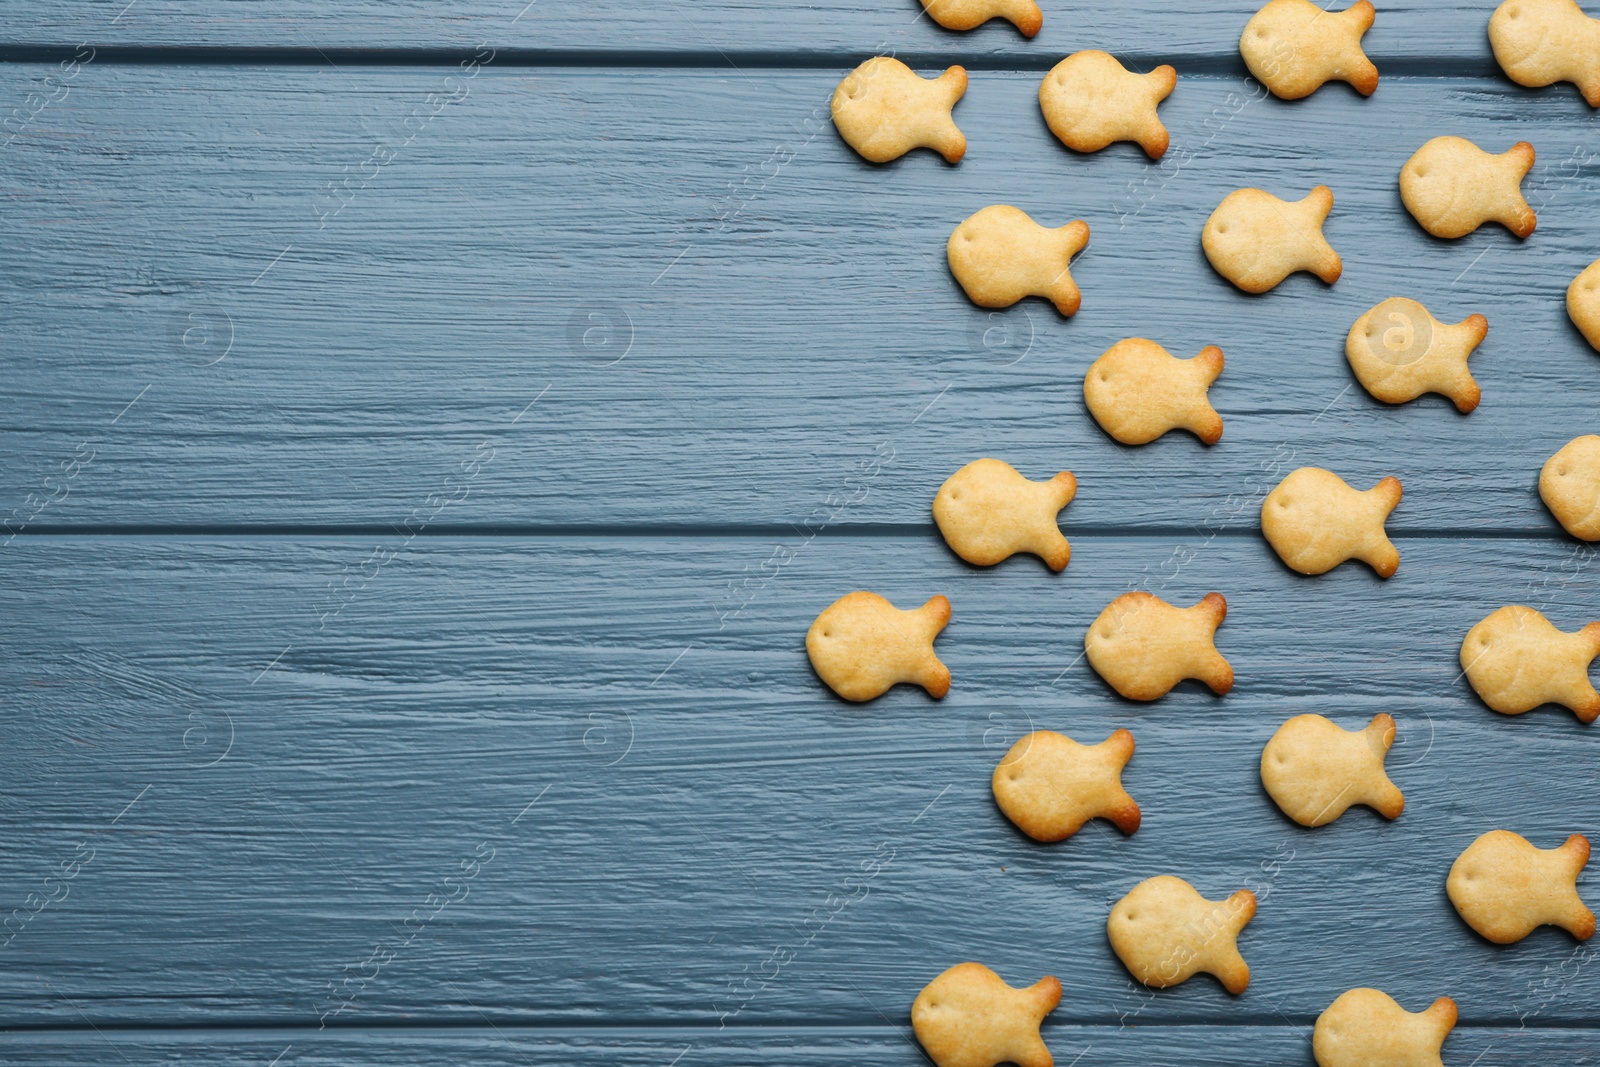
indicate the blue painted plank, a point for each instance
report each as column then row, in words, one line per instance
column 549, row 223
column 886, row 1043
column 1406, row 33
column 637, row 805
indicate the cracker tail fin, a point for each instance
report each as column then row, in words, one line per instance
column 1027, row 16
column 1444, row 1013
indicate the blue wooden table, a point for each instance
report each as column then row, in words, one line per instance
column 428, row 430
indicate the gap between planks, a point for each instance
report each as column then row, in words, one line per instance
column 1228, row 64
column 691, row 1027
column 721, row 531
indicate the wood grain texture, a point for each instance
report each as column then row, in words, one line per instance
column 274, row 802
column 428, row 432
column 531, row 234
column 1405, row 32
column 1225, row 1046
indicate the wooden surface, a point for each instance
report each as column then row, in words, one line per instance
column 403, row 592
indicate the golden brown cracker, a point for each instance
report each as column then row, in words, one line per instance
column 999, row 255
column 1049, row 785
column 1399, row 351
column 1583, row 303
column 969, row 1017
column 1366, row 1028
column 1294, row 47
column 1314, row 522
column 883, row 110
column 1314, row 770
column 1137, row 391
column 1165, row 932
column 1142, row 646
column 861, row 645
column 1569, row 484
column 1255, row 240
column 1025, row 15
column 1451, row 187
column 1516, row 660
column 987, row 512
column 1541, row 42
column 1090, row 100
column 1505, row 888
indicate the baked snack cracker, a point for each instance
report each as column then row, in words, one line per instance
column 987, row 512
column 1314, row 771
column 1137, row 391
column 1451, row 187
column 1025, row 15
column 1366, row 1028
column 1516, row 660
column 883, row 110
column 1570, row 487
column 969, row 1017
column 1000, row 255
column 1293, row 47
column 1400, row 351
column 1583, row 303
column 1090, row 100
column 1165, row 932
column 861, row 645
column 1314, row 522
column 1142, row 646
column 1049, row 785
column 1540, row 42
column 1505, row 888
column 1255, row 240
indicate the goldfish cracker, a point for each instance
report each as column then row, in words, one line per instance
column 1165, row 933
column 1314, row 521
column 1451, row 187
column 1142, row 646
column 862, row 645
column 999, row 255
column 1294, row 47
column 969, row 1017
column 1025, row 15
column 1255, row 240
column 1314, row 770
column 1505, row 888
column 1400, row 351
column 1365, row 1027
column 1541, row 42
column 1569, row 484
column 883, row 110
column 1516, row 660
column 987, row 512
column 1137, row 391
column 1090, row 100
column 1049, row 785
